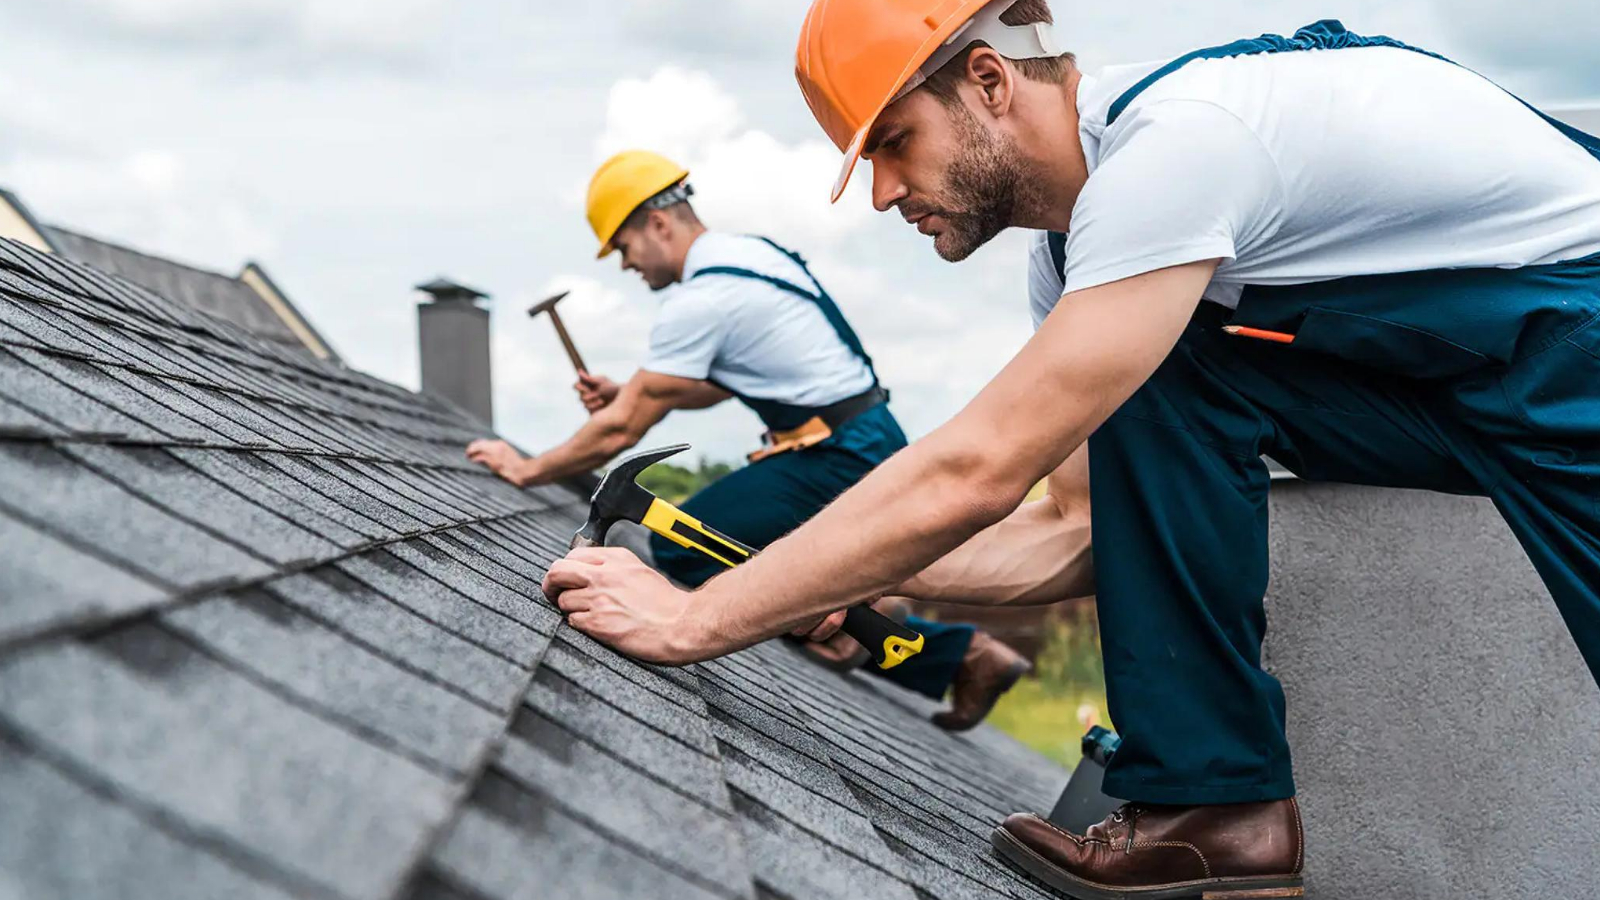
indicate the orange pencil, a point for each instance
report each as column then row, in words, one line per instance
column 1276, row 336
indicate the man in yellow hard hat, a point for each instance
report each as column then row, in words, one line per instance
column 1353, row 255
column 745, row 319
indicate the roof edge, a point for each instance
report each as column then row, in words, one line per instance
column 256, row 278
column 22, row 225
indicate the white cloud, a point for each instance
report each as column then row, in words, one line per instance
column 743, row 27
column 380, row 27
column 152, row 198
column 746, row 179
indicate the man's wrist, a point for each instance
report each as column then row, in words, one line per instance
column 527, row 472
column 702, row 632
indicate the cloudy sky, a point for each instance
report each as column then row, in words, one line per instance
column 359, row 147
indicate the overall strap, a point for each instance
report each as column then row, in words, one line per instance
column 1058, row 252
column 1328, row 34
column 830, row 310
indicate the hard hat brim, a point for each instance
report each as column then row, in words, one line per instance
column 852, row 155
column 955, row 21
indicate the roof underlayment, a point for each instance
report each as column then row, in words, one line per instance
column 264, row 633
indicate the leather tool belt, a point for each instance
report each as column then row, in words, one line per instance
column 821, row 426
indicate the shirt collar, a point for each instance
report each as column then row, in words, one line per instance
column 699, row 252
column 1089, row 124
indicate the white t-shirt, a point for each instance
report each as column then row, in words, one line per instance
column 1319, row 164
column 751, row 337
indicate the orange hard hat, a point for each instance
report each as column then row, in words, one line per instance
column 855, row 57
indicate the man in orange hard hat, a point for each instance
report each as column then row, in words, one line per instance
column 1347, row 253
column 743, row 318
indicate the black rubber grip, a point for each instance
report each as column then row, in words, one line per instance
column 877, row 632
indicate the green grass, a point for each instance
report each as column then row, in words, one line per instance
column 1045, row 719
column 1047, row 711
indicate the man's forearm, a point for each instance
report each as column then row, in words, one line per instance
column 1038, row 554
column 1090, row 355
column 592, row 446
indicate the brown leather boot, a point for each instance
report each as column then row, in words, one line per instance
column 988, row 670
column 1246, row 851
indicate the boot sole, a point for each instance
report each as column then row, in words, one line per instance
column 1041, row 870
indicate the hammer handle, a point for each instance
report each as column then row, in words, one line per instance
column 889, row 642
column 566, row 342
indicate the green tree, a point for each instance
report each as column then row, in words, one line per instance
column 676, row 484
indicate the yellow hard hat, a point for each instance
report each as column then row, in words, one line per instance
column 621, row 184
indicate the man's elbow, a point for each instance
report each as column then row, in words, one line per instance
column 619, row 438
column 980, row 484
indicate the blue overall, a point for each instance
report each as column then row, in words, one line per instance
column 1468, row 381
column 766, row 500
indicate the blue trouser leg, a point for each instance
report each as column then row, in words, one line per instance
column 1179, row 520
column 1180, row 530
column 1536, row 449
column 766, row 500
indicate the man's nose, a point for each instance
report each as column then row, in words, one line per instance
column 887, row 187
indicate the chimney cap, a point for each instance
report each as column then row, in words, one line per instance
column 444, row 290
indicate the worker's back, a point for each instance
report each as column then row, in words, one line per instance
column 751, row 335
column 1345, row 162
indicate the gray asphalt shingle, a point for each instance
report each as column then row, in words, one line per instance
column 682, row 832
column 73, row 500
column 227, row 757
column 494, row 847
column 157, row 474
column 99, row 848
column 265, row 633
column 446, row 607
column 317, row 665
column 53, row 583
column 26, row 386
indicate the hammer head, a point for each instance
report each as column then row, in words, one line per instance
column 619, row 497
column 547, row 304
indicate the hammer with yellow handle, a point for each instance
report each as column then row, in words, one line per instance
column 620, row 498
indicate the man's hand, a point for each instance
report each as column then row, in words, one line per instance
column 608, row 594
column 596, row 391
column 500, row 458
column 824, row 629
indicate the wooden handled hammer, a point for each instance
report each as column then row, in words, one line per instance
column 548, row 305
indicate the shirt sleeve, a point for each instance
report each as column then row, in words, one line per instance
column 1179, row 181
column 1044, row 282
column 688, row 333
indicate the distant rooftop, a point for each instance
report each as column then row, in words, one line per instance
column 250, row 300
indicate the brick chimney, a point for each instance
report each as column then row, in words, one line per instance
column 453, row 339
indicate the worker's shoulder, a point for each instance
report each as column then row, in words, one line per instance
column 741, row 252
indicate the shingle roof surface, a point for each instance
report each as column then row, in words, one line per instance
column 265, row 634
column 213, row 293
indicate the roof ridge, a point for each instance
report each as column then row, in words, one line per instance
column 143, row 254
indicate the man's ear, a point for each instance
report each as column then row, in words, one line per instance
column 988, row 73
column 659, row 221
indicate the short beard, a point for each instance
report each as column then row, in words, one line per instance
column 985, row 187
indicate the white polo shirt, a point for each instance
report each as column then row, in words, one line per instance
column 751, row 337
column 1314, row 165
